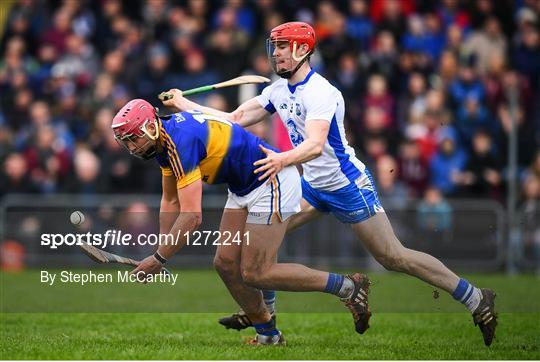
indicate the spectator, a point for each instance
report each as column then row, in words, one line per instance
column 48, row 162
column 392, row 18
column 375, row 147
column 13, row 177
column 454, row 39
column 40, row 115
column 413, row 103
column 487, row 43
column 106, row 38
column 526, row 142
column 379, row 97
column 58, row 33
column 481, row 176
column 471, row 117
column 530, row 208
column 337, row 44
column 384, row 57
column 467, row 85
column 197, row 74
column 79, row 59
column 359, row 26
column 349, row 78
column 154, row 14
column 436, row 35
column 156, row 78
column 434, row 213
column 526, row 56
column 393, row 193
column 47, row 57
column 245, row 17
column 493, row 81
column 413, row 171
column 426, row 134
column 86, row 178
column 451, row 13
column 447, row 163
column 19, row 114
column 448, row 68
column 420, row 39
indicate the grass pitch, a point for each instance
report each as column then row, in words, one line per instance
column 408, row 323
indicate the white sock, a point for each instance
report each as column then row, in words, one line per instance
column 269, row 297
column 474, row 300
column 346, row 289
column 271, row 308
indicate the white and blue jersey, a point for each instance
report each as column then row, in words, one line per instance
column 333, row 181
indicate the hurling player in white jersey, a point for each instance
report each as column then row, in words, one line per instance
column 333, row 180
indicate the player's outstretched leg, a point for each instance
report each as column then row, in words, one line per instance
column 379, row 239
column 260, row 270
column 240, row 320
column 227, row 264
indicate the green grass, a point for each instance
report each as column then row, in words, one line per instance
column 408, row 322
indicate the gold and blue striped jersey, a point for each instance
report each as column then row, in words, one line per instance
column 199, row 146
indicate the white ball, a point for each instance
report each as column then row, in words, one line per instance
column 76, row 218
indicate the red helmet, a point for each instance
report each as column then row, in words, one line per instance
column 295, row 31
column 131, row 122
column 296, row 34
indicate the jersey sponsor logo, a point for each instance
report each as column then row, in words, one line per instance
column 283, row 106
column 294, row 134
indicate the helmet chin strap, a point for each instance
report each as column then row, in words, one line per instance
column 287, row 74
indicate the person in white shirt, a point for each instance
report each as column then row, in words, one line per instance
column 333, row 180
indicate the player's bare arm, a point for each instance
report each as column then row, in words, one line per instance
column 312, row 147
column 188, row 220
column 169, row 206
column 247, row 114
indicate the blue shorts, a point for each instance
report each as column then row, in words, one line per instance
column 350, row 204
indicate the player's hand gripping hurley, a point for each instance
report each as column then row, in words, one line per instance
column 104, row 257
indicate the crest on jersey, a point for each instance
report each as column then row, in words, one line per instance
column 294, row 134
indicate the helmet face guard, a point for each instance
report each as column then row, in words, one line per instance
column 130, row 141
column 284, row 70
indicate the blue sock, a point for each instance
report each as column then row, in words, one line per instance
column 269, row 297
column 266, row 329
column 467, row 294
column 334, row 283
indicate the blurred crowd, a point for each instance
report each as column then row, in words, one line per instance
column 431, row 87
